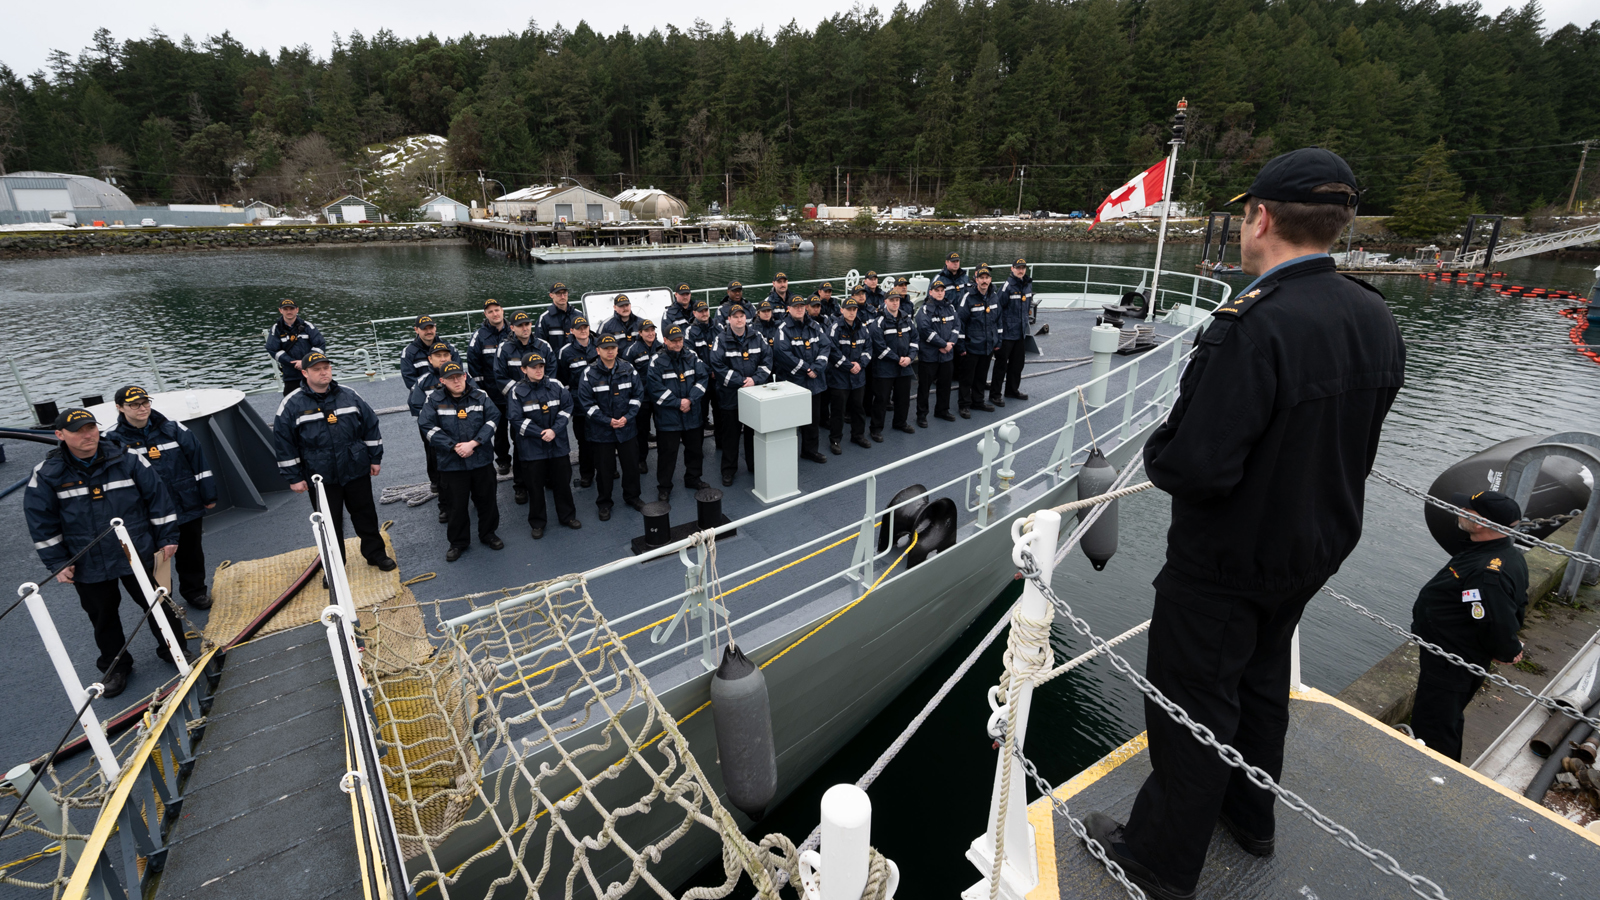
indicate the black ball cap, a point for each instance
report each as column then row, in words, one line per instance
column 1294, row 176
column 74, row 419
column 1492, row 505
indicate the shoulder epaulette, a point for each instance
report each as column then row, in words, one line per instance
column 1364, row 284
column 1242, row 303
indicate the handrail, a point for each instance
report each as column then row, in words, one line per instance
column 94, row 848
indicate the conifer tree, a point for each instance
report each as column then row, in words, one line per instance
column 1431, row 201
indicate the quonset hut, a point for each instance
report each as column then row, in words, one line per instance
column 68, row 199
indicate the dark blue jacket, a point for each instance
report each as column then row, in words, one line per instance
column 676, row 313
column 938, row 332
column 769, row 328
column 736, row 358
column 606, row 394
column 978, row 320
column 625, row 331
column 802, row 346
column 780, row 302
column 852, row 344
column 175, row 453
column 507, row 372
column 414, row 360
column 1016, row 298
column 286, row 344
column 424, row 387
column 830, row 309
column 892, row 338
column 953, row 282
column 638, row 353
column 673, row 378
column 572, row 362
column 872, row 303
column 446, row 421
column 555, row 326
column 531, row 409
column 307, row 443
column 69, row 501
column 482, row 353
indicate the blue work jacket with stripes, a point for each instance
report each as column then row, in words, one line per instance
column 508, row 363
column 605, row 394
column 802, row 347
column 414, row 360
column 852, row 345
column 938, row 332
column 483, row 350
column 978, row 320
column 289, row 343
column 736, row 357
column 672, row 378
column 176, row 455
column 334, row 434
column 446, row 421
column 425, row 386
column 534, row 407
column 1016, row 299
column 69, row 501
column 893, row 337
column 573, row 360
column 555, row 326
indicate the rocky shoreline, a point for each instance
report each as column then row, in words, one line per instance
column 41, row 244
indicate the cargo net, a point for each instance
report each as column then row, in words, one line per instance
column 527, row 753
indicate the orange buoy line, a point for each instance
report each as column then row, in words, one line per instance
column 1575, row 333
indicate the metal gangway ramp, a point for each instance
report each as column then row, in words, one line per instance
column 1528, row 246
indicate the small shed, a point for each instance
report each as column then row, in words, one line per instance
column 440, row 208
column 350, row 209
column 553, row 203
column 257, row 210
column 651, row 203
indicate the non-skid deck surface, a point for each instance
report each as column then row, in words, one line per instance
column 1437, row 818
column 244, row 589
column 264, row 815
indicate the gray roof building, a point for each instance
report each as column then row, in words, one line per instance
column 33, row 196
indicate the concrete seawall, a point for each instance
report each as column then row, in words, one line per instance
column 35, row 244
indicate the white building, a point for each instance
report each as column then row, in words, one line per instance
column 73, row 199
column 440, row 208
column 547, row 204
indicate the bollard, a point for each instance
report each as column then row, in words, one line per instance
column 76, row 694
column 657, row 522
column 52, row 817
column 1103, row 342
column 708, row 508
column 840, row 870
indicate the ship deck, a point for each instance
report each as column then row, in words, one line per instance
column 1436, row 817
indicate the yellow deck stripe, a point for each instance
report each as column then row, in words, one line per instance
column 1041, row 814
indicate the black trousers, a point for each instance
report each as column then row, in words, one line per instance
column 1008, row 362
column 433, row 472
column 556, row 474
column 728, row 430
column 100, row 600
column 502, row 437
column 189, row 563
column 478, row 486
column 646, row 419
column 1225, row 660
column 289, row 386
column 810, row 434
column 607, row 454
column 972, row 375
column 887, row 391
column 586, row 451
column 1440, row 714
column 355, row 496
column 667, row 442
column 844, row 402
column 928, row 375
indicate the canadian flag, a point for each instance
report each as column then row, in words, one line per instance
column 1144, row 190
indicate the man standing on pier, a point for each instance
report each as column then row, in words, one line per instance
column 292, row 339
column 1265, row 454
column 1474, row 608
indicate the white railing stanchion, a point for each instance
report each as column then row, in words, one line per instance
column 153, row 597
column 1020, row 867
column 76, row 694
column 1295, row 684
column 846, row 850
column 332, row 554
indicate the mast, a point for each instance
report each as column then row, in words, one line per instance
column 1166, row 202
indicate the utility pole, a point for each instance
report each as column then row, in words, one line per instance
column 1021, row 178
column 727, row 191
column 847, row 189
column 1573, row 196
column 835, row 185
column 1166, row 205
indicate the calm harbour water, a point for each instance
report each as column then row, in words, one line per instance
column 79, row 325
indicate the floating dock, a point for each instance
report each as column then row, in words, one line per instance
column 596, row 242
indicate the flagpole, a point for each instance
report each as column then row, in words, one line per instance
column 1166, row 205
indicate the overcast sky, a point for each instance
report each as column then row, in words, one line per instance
column 34, row 29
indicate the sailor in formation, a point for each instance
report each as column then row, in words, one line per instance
column 955, row 277
column 414, row 358
column 767, row 321
column 678, row 381
column 608, row 397
column 681, row 310
column 327, row 429
column 438, row 355
column 290, row 340
column 458, row 422
column 541, row 410
column 574, row 360
column 780, row 294
column 69, row 502
column 508, row 372
column 700, row 336
column 823, row 304
column 978, row 323
column 555, row 323
column 734, row 294
column 741, row 358
column 638, row 354
column 871, row 296
column 894, row 353
column 623, row 323
column 482, row 354
column 1016, row 302
column 850, row 356
column 1473, row 608
column 938, row 338
column 801, row 352
column 176, row 455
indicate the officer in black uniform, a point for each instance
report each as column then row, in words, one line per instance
column 802, row 352
column 678, row 380
column 540, row 410
column 608, row 399
column 290, row 340
column 1473, row 608
column 848, row 362
column 575, row 359
column 482, row 352
column 767, row 322
column 938, row 337
column 734, row 295
column 623, row 323
column 1265, row 454
column 1016, row 301
column 741, row 358
column 830, row 307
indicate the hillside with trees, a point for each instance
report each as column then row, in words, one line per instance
column 942, row 105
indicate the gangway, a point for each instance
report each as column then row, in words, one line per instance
column 1528, row 246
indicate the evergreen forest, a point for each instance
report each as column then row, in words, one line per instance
column 960, row 104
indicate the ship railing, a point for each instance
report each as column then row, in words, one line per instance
column 146, row 798
column 378, row 851
column 1136, row 403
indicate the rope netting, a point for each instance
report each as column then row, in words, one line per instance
column 527, row 753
